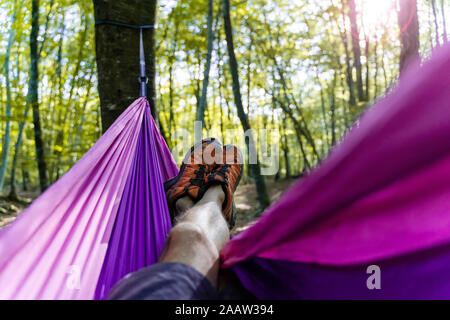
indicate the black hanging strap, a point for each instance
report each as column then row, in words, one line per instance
column 143, row 79
column 126, row 25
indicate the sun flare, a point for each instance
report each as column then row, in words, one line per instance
column 375, row 14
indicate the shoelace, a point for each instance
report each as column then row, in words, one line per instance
column 223, row 172
column 199, row 178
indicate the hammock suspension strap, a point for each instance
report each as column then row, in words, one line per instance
column 142, row 79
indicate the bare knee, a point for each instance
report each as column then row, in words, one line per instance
column 188, row 241
column 188, row 232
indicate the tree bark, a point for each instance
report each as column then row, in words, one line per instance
column 210, row 39
column 172, row 60
column 333, row 112
column 12, row 192
column 356, row 48
column 436, row 26
column 408, row 22
column 444, row 23
column 261, row 188
column 349, row 72
column 7, row 135
column 367, row 53
column 117, row 52
column 286, row 149
column 33, row 96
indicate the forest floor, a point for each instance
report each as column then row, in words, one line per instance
column 247, row 204
column 245, row 199
column 9, row 209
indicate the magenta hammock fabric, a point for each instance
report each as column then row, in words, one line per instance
column 105, row 217
column 382, row 197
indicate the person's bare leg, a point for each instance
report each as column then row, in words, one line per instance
column 199, row 234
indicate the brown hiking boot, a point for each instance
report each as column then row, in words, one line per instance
column 197, row 164
column 228, row 175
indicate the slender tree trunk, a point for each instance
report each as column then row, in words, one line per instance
column 7, row 135
column 322, row 108
column 249, row 79
column 444, row 23
column 172, row 60
column 196, row 78
column 350, row 83
column 24, row 179
column 219, row 83
column 299, row 132
column 304, row 130
column 117, row 52
column 367, row 51
column 78, row 130
column 13, row 193
column 375, row 80
column 436, row 25
column 408, row 22
column 210, row 40
column 383, row 67
column 33, row 95
column 59, row 99
column 249, row 75
column 263, row 197
column 333, row 112
column 356, row 48
column 286, row 149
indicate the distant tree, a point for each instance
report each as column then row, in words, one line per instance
column 33, row 95
column 444, row 24
column 436, row 25
column 352, row 14
column 210, row 39
column 261, row 188
column 408, row 22
column 7, row 136
column 12, row 193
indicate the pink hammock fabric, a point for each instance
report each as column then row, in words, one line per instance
column 383, row 192
column 382, row 196
column 79, row 223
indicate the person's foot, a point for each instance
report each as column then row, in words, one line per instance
column 197, row 164
column 228, row 175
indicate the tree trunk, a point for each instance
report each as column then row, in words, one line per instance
column 18, row 144
column 356, row 48
column 322, row 108
column 299, row 131
column 375, row 80
column 367, row 52
column 219, row 83
column 333, row 112
column 12, row 192
column 210, row 39
column 117, row 52
column 172, row 60
column 408, row 22
column 7, row 136
column 444, row 24
column 33, row 97
column 350, row 83
column 24, row 179
column 263, row 197
column 304, row 130
column 436, row 26
column 286, row 149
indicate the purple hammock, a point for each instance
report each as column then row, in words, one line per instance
column 381, row 198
